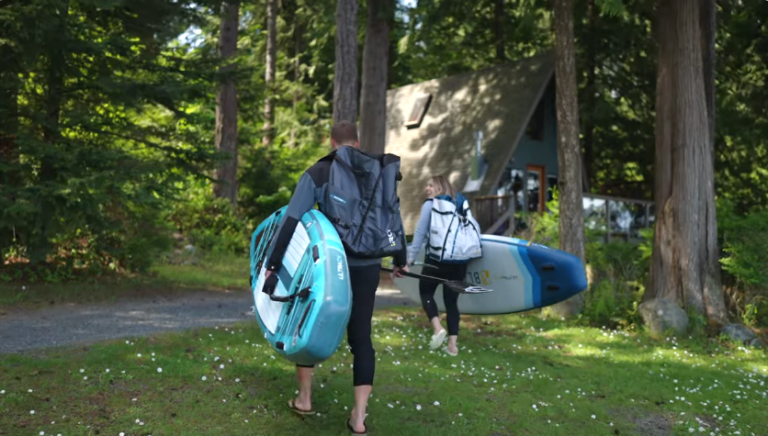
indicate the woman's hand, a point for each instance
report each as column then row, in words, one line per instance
column 397, row 270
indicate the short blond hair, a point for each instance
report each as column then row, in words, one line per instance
column 443, row 186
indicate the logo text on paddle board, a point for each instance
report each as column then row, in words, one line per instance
column 339, row 268
column 479, row 277
column 338, row 199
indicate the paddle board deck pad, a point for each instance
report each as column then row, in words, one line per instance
column 523, row 276
column 306, row 329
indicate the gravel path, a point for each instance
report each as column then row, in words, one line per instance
column 76, row 324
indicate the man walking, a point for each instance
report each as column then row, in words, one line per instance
column 364, row 269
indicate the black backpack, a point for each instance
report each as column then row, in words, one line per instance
column 362, row 203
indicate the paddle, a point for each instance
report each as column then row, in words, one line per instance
column 454, row 285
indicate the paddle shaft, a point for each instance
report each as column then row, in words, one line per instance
column 418, row 276
column 455, row 285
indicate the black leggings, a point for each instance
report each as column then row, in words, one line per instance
column 364, row 281
column 450, row 298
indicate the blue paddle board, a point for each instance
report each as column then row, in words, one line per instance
column 522, row 275
column 308, row 328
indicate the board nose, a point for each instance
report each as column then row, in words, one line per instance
column 562, row 275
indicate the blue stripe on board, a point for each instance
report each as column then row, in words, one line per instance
column 536, row 278
column 529, row 290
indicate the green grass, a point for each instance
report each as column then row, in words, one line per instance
column 515, row 375
column 226, row 272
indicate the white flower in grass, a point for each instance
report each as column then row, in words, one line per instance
column 42, row 433
column 31, row 412
column 205, row 378
column 418, row 407
column 2, row 392
column 221, row 366
column 159, row 369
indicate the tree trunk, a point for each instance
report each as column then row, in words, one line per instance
column 298, row 30
column 226, row 107
column 590, row 103
column 684, row 265
column 57, row 60
column 498, row 30
column 345, row 73
column 269, row 80
column 708, row 25
column 569, row 150
column 373, row 99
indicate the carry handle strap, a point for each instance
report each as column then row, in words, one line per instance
column 271, row 284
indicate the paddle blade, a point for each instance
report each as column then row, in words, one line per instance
column 462, row 288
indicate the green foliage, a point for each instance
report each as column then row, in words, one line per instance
column 210, row 224
column 743, row 238
column 741, row 153
column 270, row 175
column 611, row 7
column 617, row 283
column 448, row 37
column 99, row 129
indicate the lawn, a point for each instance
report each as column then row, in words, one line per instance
column 515, row 375
column 226, row 272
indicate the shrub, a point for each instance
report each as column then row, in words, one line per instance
column 743, row 240
column 210, row 224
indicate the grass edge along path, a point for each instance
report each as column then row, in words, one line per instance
column 515, row 375
column 207, row 273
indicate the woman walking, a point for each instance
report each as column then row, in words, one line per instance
column 431, row 230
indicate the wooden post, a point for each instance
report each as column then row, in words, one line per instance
column 511, row 207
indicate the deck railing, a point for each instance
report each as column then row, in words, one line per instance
column 615, row 216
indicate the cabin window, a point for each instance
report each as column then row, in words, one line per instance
column 535, row 129
column 418, row 111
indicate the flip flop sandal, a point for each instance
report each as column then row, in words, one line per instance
column 352, row 429
column 449, row 353
column 292, row 405
column 438, row 339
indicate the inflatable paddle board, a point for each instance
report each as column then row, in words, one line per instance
column 522, row 275
column 308, row 325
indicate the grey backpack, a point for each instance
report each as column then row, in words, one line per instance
column 362, row 203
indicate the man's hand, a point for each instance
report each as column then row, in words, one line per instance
column 396, row 270
column 267, row 274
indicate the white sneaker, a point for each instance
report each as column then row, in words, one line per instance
column 438, row 339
